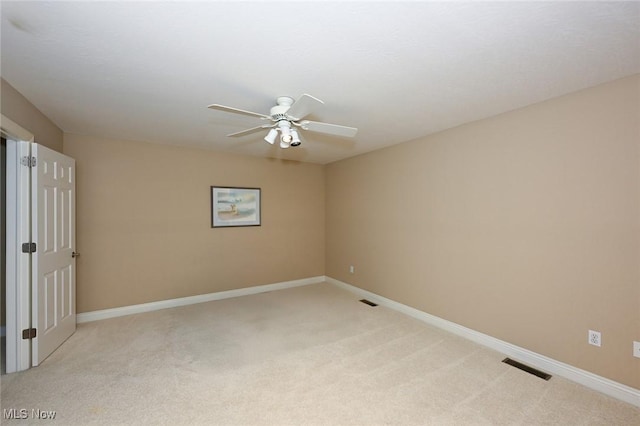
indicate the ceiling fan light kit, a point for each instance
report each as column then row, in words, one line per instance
column 271, row 136
column 284, row 116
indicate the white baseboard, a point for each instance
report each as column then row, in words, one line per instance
column 172, row 303
column 585, row 378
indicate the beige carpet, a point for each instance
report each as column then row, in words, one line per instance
column 307, row 355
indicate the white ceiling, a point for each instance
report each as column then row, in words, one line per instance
column 396, row 70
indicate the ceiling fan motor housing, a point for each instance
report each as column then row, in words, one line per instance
column 279, row 112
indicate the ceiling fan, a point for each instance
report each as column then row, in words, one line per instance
column 285, row 117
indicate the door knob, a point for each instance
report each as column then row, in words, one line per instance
column 74, row 254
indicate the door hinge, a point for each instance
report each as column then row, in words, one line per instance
column 29, row 333
column 28, row 247
column 28, row 161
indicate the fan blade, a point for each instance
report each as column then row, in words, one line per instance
column 303, row 107
column 330, row 129
column 238, row 111
column 252, row 130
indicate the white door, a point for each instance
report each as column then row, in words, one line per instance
column 53, row 268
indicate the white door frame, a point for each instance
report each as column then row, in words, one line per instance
column 18, row 279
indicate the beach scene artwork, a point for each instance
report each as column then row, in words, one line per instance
column 235, row 206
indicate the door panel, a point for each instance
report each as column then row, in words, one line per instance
column 66, row 297
column 48, row 301
column 53, row 267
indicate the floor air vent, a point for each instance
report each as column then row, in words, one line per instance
column 526, row 368
column 368, row 302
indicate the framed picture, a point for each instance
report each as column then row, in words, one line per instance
column 232, row 206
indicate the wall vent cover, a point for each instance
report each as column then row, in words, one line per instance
column 526, row 368
column 368, row 302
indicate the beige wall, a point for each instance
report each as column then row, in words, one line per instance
column 525, row 226
column 144, row 225
column 18, row 109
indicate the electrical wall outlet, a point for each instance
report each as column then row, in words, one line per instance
column 595, row 338
column 636, row 349
column 352, row 269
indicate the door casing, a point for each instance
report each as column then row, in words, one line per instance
column 18, row 270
